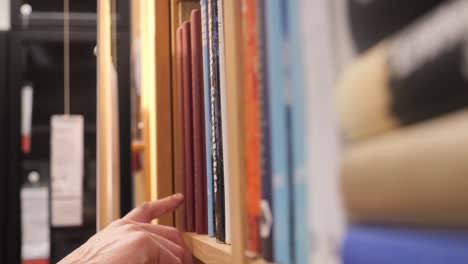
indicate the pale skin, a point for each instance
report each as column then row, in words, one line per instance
column 133, row 239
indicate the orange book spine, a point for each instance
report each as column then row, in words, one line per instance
column 252, row 125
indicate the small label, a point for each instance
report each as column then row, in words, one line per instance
column 35, row 223
column 67, row 170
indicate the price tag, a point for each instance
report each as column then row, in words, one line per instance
column 67, row 146
column 35, row 223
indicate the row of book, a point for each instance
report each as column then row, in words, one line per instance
column 401, row 115
column 273, row 126
column 402, row 109
column 201, row 132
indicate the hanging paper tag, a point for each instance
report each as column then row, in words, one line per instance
column 26, row 117
column 67, row 170
column 35, row 223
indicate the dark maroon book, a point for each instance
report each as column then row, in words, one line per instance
column 188, row 126
column 181, row 132
column 198, row 124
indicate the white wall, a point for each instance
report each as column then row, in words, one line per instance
column 4, row 14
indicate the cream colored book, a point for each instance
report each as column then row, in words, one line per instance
column 414, row 175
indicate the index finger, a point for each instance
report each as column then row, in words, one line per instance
column 148, row 211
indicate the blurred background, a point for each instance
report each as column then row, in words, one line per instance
column 382, row 118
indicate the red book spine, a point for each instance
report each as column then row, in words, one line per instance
column 198, row 123
column 180, row 112
column 188, row 126
column 252, row 125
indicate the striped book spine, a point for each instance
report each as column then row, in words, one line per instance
column 222, row 81
column 279, row 111
column 266, row 221
column 216, row 126
column 207, row 103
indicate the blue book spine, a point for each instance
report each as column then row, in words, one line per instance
column 267, row 233
column 206, row 83
column 384, row 245
column 278, row 102
column 299, row 185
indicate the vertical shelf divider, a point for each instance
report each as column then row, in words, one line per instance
column 234, row 81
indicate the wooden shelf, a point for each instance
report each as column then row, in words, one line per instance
column 207, row 250
column 258, row 261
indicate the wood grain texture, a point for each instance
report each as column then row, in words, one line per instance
column 156, row 100
column 258, row 261
column 207, row 250
column 185, row 9
column 163, row 115
column 147, row 95
column 108, row 195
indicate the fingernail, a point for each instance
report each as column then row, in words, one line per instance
column 178, row 196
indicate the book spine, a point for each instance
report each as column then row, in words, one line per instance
column 266, row 221
column 420, row 157
column 326, row 218
column 383, row 245
column 280, row 158
column 198, row 124
column 428, row 65
column 301, row 245
column 188, row 127
column 370, row 23
column 222, row 79
column 252, row 125
column 417, row 75
column 180, row 88
column 207, row 103
column 216, row 126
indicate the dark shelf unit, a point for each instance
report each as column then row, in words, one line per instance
column 35, row 53
column 48, row 14
column 6, row 212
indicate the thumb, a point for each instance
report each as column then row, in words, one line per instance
column 148, row 211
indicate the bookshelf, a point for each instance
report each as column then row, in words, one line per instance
column 154, row 24
column 207, row 250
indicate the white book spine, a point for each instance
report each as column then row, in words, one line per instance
column 326, row 216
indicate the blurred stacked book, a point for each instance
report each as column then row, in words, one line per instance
column 402, row 109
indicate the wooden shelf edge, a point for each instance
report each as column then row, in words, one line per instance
column 258, row 261
column 207, row 250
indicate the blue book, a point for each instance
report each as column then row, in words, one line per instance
column 206, row 83
column 299, row 183
column 385, row 245
column 279, row 103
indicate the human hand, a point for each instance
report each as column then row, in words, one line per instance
column 133, row 239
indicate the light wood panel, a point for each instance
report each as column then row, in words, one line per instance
column 163, row 107
column 234, row 81
column 184, row 9
column 156, row 109
column 148, row 95
column 207, row 250
column 108, row 196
